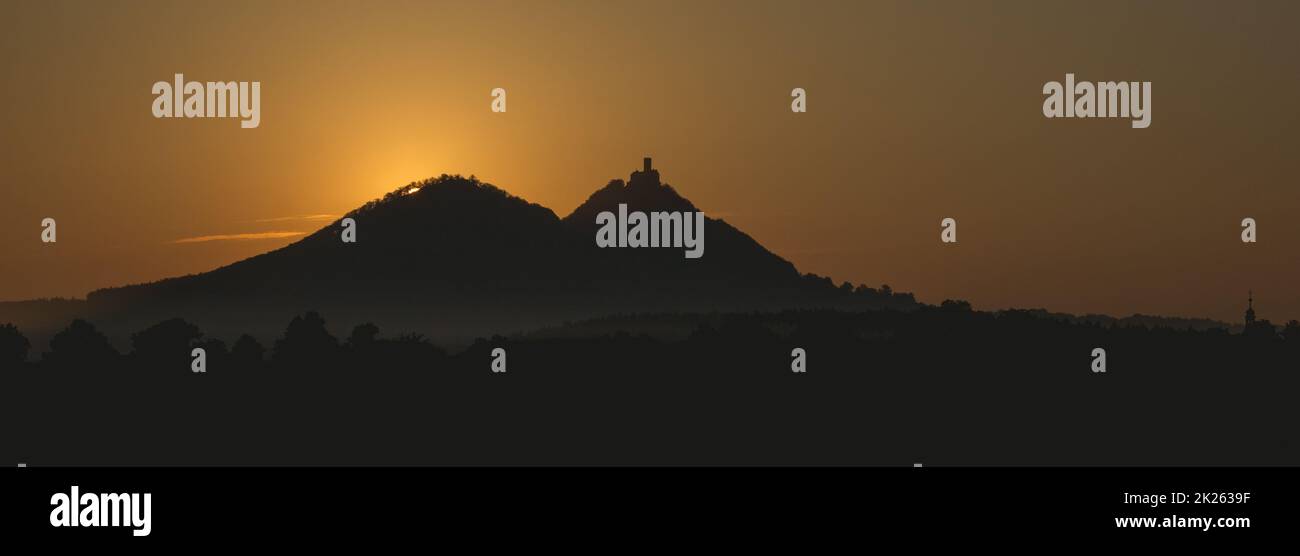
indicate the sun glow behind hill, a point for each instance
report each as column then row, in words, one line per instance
column 359, row 99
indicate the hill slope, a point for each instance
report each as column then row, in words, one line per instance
column 454, row 258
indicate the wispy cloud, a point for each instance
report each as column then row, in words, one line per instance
column 305, row 217
column 236, row 237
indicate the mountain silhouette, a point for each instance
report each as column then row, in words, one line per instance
column 732, row 259
column 455, row 258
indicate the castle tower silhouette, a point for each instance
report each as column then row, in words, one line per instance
column 646, row 177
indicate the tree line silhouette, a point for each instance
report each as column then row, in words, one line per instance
column 939, row 384
column 166, row 347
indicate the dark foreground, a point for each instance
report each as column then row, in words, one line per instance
column 934, row 386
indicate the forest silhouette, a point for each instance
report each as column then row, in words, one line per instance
column 943, row 385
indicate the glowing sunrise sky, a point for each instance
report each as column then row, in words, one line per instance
column 916, row 111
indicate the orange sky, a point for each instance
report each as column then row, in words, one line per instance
column 916, row 111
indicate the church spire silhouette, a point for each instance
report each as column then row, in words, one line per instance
column 1250, row 307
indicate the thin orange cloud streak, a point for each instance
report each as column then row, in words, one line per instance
column 307, row 217
column 249, row 236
